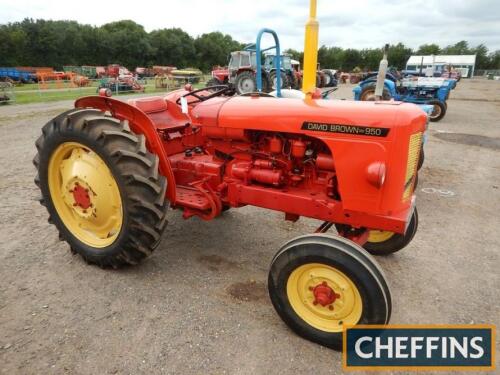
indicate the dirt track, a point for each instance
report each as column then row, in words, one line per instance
column 200, row 304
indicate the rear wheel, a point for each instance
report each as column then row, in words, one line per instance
column 273, row 78
column 438, row 111
column 292, row 81
column 368, row 93
column 101, row 187
column 245, row 83
column 319, row 81
column 266, row 82
column 329, row 78
column 318, row 284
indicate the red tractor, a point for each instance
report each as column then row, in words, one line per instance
column 109, row 171
column 240, row 74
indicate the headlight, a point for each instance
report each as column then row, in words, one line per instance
column 375, row 174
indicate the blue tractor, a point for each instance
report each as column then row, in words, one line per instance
column 418, row 90
column 288, row 77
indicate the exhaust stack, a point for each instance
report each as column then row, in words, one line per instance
column 382, row 70
column 310, row 52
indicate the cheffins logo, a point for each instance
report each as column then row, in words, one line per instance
column 409, row 347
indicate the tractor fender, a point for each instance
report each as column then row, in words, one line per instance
column 391, row 86
column 139, row 123
column 388, row 84
column 443, row 93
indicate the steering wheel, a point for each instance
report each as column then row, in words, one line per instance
column 219, row 90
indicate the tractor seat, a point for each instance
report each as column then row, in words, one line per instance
column 156, row 108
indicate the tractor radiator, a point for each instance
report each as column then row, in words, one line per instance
column 411, row 166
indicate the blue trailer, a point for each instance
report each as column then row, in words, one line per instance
column 16, row 75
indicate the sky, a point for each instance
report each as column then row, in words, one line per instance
column 359, row 24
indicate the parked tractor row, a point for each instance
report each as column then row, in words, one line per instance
column 241, row 73
column 430, row 91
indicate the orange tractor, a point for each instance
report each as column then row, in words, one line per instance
column 110, row 171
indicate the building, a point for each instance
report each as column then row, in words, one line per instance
column 464, row 63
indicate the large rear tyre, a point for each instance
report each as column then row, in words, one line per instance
column 318, row 284
column 245, row 83
column 368, row 93
column 385, row 242
column 101, row 187
column 438, row 111
column 329, row 78
column 273, row 79
column 319, row 81
column 292, row 81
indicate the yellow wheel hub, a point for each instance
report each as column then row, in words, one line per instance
column 85, row 194
column 376, row 236
column 324, row 297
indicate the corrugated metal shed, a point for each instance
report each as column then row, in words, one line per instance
column 447, row 59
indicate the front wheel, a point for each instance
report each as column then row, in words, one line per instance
column 381, row 242
column 318, row 284
column 421, row 158
column 438, row 110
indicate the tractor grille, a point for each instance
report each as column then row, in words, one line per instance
column 411, row 166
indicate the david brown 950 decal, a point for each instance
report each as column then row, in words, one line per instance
column 345, row 129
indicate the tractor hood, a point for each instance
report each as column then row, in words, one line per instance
column 302, row 116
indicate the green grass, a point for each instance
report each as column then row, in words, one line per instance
column 31, row 93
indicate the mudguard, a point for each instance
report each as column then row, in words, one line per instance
column 140, row 123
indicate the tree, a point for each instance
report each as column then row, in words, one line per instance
column 428, row 49
column 371, row 58
column 57, row 43
column 460, row 48
column 214, row 49
column 398, row 55
column 172, row 47
column 494, row 60
column 482, row 58
column 352, row 59
column 296, row 55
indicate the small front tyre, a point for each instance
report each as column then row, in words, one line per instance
column 318, row 284
column 438, row 111
column 381, row 242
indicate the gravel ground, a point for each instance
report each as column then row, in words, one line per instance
column 200, row 304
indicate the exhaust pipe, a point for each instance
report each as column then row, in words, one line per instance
column 310, row 52
column 382, row 70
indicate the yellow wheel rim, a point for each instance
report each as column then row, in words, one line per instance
column 323, row 313
column 376, row 236
column 85, row 194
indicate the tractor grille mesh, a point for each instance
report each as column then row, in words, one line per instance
column 411, row 166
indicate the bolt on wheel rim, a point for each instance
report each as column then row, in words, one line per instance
column 436, row 111
column 375, row 236
column 85, row 194
column 340, row 303
column 247, row 85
